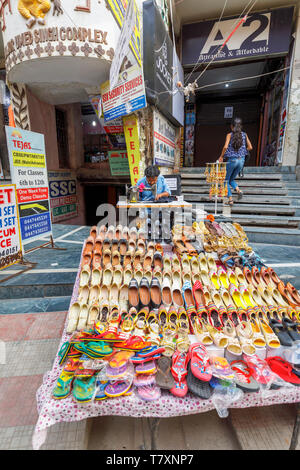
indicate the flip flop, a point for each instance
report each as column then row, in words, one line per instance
column 198, row 387
column 221, row 368
column 134, row 343
column 117, row 389
column 260, row 370
column 179, row 365
column 199, row 362
column 84, row 389
column 151, row 352
column 120, row 358
column 140, row 360
column 146, row 368
column 164, row 378
column 180, row 390
column 100, row 394
column 283, row 369
column 149, row 392
column 63, row 352
column 243, row 377
column 117, row 372
column 63, row 385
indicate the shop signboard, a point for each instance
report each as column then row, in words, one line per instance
column 162, row 68
column 28, row 171
column 63, row 195
column 10, row 236
column 262, row 34
column 126, row 97
column 122, row 47
column 118, row 162
column 118, row 8
column 164, row 140
column 133, row 147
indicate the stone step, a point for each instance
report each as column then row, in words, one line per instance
column 266, row 221
column 276, row 236
column 255, row 209
column 35, row 305
column 250, row 169
column 242, row 183
column 252, row 191
column 282, row 200
column 22, row 291
column 248, row 176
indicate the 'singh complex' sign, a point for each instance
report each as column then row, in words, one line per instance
column 10, row 239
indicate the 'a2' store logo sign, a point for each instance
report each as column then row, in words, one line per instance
column 252, row 34
column 162, row 70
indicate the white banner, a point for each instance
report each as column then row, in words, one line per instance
column 122, row 47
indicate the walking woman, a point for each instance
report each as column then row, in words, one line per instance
column 236, row 146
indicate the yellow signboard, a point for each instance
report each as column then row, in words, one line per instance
column 28, row 159
column 118, row 8
column 133, row 147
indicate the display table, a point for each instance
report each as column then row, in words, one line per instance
column 153, row 205
column 53, row 411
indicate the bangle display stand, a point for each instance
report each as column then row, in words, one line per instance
column 215, row 175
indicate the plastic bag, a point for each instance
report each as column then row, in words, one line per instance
column 225, row 394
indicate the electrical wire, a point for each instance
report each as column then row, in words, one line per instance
column 221, row 47
column 243, row 78
column 198, row 63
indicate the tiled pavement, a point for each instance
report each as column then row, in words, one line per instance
column 31, row 343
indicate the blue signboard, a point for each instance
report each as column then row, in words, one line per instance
column 34, row 226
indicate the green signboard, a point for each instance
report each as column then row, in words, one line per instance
column 118, row 162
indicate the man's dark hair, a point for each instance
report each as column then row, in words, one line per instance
column 152, row 171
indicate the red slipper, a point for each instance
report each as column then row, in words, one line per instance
column 200, row 366
column 134, row 343
column 283, row 369
column 198, row 295
column 179, row 365
column 180, row 389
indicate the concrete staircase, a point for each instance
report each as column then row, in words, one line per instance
column 270, row 208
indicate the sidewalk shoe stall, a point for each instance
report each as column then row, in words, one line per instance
column 157, row 330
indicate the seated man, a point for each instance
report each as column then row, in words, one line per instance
column 163, row 220
column 153, row 176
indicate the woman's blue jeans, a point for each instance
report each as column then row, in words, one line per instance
column 233, row 167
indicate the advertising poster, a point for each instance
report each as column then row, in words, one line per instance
column 10, row 237
column 133, row 147
column 126, row 97
column 63, row 195
column 118, row 8
column 164, row 136
column 118, row 162
column 28, row 171
column 262, row 34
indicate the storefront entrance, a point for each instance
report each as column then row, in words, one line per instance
column 259, row 102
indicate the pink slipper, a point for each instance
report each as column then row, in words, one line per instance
column 179, row 365
column 180, row 390
column 143, row 380
column 200, row 366
column 149, row 392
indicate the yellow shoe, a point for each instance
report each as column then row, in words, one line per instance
column 246, row 296
column 226, row 299
column 236, row 296
column 223, row 280
column 258, row 338
column 270, row 337
column 214, row 279
column 258, row 300
column 205, row 278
